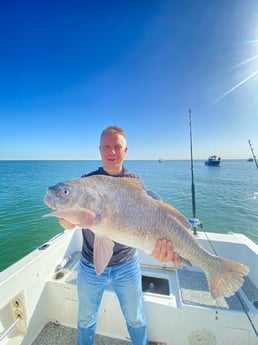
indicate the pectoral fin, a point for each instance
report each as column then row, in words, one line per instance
column 102, row 252
column 81, row 217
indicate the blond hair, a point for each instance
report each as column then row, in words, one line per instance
column 114, row 130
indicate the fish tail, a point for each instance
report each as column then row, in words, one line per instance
column 226, row 278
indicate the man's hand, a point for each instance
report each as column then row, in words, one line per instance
column 65, row 224
column 164, row 252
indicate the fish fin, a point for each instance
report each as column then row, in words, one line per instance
column 81, row 217
column 227, row 278
column 102, row 252
column 136, row 183
column 174, row 213
column 185, row 261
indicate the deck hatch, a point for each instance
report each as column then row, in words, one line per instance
column 155, row 285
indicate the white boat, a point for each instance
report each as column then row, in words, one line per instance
column 38, row 304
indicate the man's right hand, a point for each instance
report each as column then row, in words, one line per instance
column 164, row 252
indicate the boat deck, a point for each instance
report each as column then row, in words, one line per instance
column 193, row 291
column 178, row 306
column 182, row 288
column 53, row 334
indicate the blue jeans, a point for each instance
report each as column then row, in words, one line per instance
column 126, row 282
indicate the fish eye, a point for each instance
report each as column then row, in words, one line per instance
column 66, row 191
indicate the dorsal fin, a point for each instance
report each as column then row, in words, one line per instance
column 137, row 183
column 174, row 213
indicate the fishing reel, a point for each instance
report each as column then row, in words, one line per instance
column 195, row 222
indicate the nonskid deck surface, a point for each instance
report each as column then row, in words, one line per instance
column 53, row 334
column 194, row 291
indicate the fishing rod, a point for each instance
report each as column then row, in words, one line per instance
column 250, row 144
column 195, row 222
column 192, row 172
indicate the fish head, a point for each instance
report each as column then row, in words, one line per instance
column 72, row 194
column 60, row 196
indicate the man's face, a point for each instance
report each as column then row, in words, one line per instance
column 112, row 149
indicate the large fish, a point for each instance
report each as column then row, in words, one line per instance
column 119, row 209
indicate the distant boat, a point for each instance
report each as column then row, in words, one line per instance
column 160, row 160
column 250, row 159
column 213, row 161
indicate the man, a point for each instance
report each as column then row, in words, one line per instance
column 123, row 270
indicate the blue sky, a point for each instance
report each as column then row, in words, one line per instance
column 70, row 68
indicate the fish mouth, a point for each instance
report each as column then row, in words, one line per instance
column 50, row 202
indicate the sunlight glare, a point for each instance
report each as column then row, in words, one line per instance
column 251, row 64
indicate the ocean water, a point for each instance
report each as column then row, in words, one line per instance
column 226, row 197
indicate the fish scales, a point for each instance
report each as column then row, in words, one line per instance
column 120, row 210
